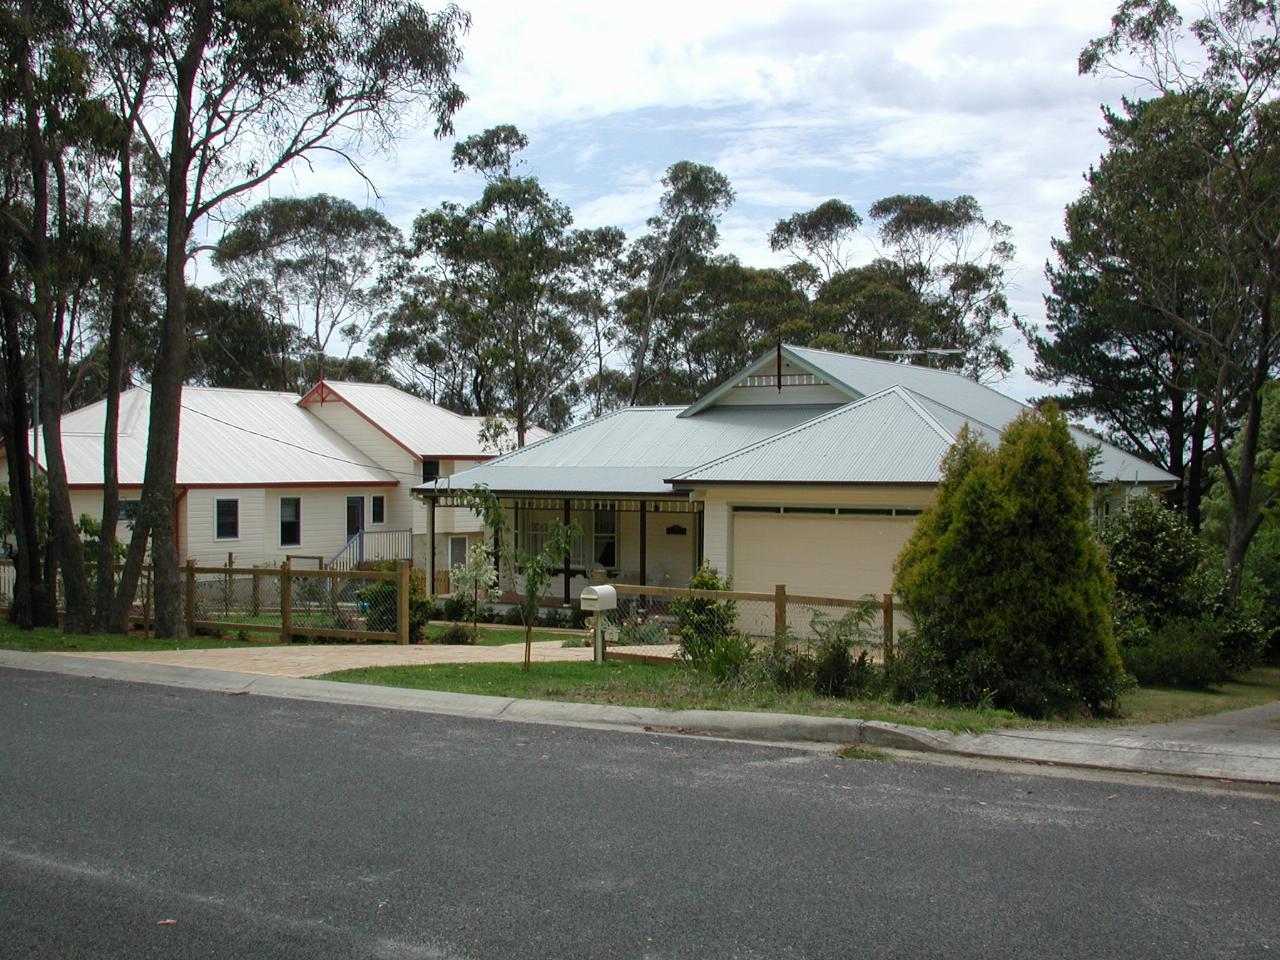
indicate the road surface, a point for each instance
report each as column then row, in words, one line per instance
column 144, row 821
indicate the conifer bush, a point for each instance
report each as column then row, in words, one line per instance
column 1006, row 583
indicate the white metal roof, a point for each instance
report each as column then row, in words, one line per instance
column 632, row 450
column 899, row 423
column 421, row 427
column 951, row 398
column 885, row 438
column 226, row 437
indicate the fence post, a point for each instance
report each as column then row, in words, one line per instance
column 888, row 627
column 286, row 603
column 402, row 600
column 779, row 609
column 191, row 596
column 226, row 585
column 255, row 593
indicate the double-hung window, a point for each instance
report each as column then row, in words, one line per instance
column 290, row 521
column 226, row 519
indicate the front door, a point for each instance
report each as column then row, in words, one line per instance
column 355, row 516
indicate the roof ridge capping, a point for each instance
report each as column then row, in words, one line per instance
column 896, row 390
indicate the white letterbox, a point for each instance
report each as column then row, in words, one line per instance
column 603, row 597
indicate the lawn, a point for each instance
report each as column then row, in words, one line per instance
column 52, row 640
column 677, row 688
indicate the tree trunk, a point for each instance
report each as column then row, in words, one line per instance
column 1245, row 516
column 107, row 612
column 62, row 529
column 1194, row 493
column 159, row 484
column 32, row 605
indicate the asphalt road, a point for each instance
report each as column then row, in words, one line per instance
column 274, row 828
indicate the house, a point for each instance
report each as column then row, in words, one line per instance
column 808, row 468
column 324, row 479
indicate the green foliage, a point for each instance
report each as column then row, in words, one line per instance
column 701, row 623
column 1172, row 601
column 1155, row 558
column 1005, row 582
column 377, row 603
column 727, row 659
column 641, row 632
column 1185, row 653
column 458, row 633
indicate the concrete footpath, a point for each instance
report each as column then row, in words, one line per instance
column 1240, row 746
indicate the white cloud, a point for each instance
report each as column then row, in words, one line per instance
column 794, row 101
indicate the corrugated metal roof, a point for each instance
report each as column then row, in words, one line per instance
column 629, row 451
column 954, row 398
column 227, row 437
column 884, row 438
column 427, row 430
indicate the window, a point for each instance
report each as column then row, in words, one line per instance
column 290, row 521
column 379, row 508
column 605, row 552
column 430, row 470
column 129, row 511
column 226, row 519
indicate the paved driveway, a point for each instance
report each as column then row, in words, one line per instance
column 309, row 660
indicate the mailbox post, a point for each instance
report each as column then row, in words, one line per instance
column 597, row 600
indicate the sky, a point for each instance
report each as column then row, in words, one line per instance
column 796, row 102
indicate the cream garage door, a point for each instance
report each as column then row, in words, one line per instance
column 822, row 555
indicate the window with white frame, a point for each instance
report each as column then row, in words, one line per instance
column 129, row 511
column 226, row 519
column 290, row 521
column 378, row 508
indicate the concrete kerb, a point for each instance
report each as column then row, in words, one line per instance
column 776, row 727
column 1059, row 749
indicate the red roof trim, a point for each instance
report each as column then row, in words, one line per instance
column 272, row 484
column 328, row 393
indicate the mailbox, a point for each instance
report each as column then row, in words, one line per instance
column 603, row 597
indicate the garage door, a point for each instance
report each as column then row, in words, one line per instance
column 821, row 555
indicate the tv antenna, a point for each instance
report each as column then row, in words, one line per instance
column 930, row 353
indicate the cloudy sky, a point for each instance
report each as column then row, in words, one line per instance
column 795, row 102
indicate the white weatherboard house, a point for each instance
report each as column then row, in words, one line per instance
column 806, row 469
column 325, row 478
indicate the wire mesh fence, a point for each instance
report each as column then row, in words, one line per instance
column 267, row 602
column 651, row 616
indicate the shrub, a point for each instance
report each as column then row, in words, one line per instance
column 836, row 672
column 700, row 621
column 1005, row 582
column 1183, row 654
column 512, row 617
column 457, row 633
column 377, row 603
column 641, row 633
column 455, row 607
column 552, row 617
column 1172, row 601
column 726, row 658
